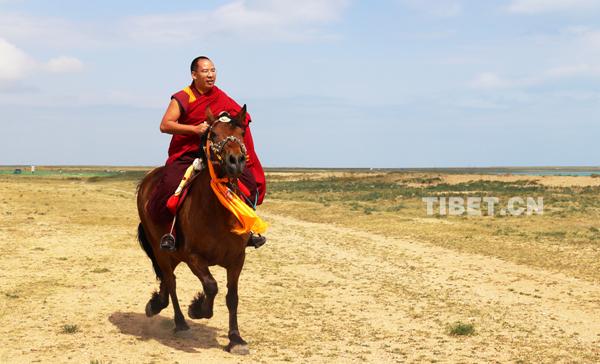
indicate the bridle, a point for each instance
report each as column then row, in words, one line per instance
column 216, row 149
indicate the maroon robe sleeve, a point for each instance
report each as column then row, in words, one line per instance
column 182, row 99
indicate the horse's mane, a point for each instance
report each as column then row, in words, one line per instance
column 202, row 152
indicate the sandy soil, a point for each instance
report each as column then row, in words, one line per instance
column 315, row 293
column 406, row 178
column 558, row 181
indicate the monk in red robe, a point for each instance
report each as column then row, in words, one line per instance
column 185, row 120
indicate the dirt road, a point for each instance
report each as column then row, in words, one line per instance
column 74, row 283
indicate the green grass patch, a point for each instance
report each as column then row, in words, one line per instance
column 424, row 180
column 69, row 329
column 461, row 329
column 553, row 234
column 11, row 295
column 373, row 189
column 117, row 176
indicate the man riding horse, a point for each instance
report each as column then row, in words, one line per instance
column 185, row 119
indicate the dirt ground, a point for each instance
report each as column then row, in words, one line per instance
column 74, row 283
column 560, row 181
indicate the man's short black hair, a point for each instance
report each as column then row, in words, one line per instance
column 194, row 65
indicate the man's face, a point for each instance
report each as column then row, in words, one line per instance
column 205, row 74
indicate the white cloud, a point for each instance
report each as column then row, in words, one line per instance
column 14, row 63
column 308, row 10
column 490, row 80
column 584, row 37
column 436, row 8
column 573, row 71
column 542, row 6
column 572, row 54
column 53, row 32
column 64, row 64
column 257, row 20
column 282, row 20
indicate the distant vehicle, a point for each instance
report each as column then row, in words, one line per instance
column 18, row 171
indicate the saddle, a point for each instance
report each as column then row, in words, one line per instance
column 177, row 198
column 175, row 201
column 168, row 241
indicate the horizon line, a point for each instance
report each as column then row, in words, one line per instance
column 558, row 167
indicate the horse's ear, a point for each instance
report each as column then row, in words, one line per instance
column 241, row 117
column 210, row 118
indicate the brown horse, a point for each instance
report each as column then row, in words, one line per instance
column 203, row 232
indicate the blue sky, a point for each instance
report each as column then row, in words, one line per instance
column 330, row 83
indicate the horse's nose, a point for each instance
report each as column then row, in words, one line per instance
column 242, row 160
column 236, row 164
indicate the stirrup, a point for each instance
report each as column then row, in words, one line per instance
column 167, row 242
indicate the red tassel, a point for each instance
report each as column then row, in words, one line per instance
column 172, row 203
column 244, row 189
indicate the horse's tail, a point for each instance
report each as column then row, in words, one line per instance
column 145, row 244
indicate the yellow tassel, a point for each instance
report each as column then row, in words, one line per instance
column 247, row 220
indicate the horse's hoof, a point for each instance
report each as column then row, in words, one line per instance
column 154, row 306
column 197, row 314
column 149, row 312
column 238, row 349
column 195, row 310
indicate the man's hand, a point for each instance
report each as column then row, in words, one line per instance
column 170, row 123
column 201, row 128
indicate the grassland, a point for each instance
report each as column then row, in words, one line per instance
column 565, row 238
column 354, row 271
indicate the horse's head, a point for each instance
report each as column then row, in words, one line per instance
column 227, row 147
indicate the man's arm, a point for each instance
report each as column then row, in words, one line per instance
column 170, row 125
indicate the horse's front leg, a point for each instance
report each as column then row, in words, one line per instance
column 202, row 305
column 158, row 301
column 236, row 345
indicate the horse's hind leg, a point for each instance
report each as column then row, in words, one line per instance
column 236, row 345
column 159, row 301
column 180, row 323
column 202, row 304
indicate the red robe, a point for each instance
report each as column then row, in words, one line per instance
column 193, row 112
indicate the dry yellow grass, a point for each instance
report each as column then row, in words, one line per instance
column 332, row 285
